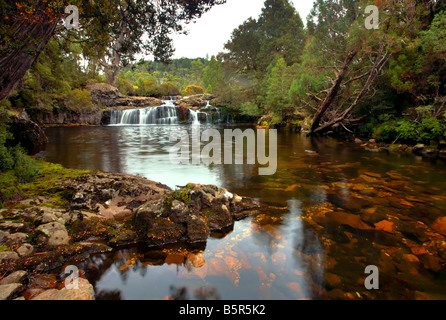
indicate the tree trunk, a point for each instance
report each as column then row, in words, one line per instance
column 333, row 92
column 33, row 36
column 112, row 70
column 380, row 61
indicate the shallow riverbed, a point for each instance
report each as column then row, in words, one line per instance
column 331, row 209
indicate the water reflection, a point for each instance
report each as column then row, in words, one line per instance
column 329, row 211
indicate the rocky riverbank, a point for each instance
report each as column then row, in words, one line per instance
column 97, row 212
column 426, row 151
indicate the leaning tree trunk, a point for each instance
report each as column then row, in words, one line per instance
column 33, row 33
column 333, row 92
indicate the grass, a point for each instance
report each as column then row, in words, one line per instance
column 49, row 174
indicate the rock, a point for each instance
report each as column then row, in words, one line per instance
column 7, row 290
column 418, row 148
column 17, row 238
column 332, row 280
column 197, row 230
column 58, row 238
column 103, row 94
column 179, row 212
column 46, row 295
column 25, row 250
column 129, row 192
column 48, row 217
column 386, row 226
column 8, row 255
column 188, row 214
column 55, row 234
column 15, row 277
column 28, row 134
column 439, row 225
column 411, row 258
column 3, row 236
column 31, row 293
column 43, row 281
column 431, row 262
column 12, row 226
column 85, row 291
column 109, row 96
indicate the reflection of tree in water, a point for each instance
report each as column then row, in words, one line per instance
column 309, row 254
column 201, row 293
column 108, row 295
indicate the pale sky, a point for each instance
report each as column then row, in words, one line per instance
column 209, row 33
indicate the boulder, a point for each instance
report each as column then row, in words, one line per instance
column 25, row 250
column 53, row 233
column 8, row 255
column 112, row 195
column 7, row 290
column 188, row 214
column 28, row 134
column 418, row 148
column 15, row 277
column 17, row 238
column 109, row 96
column 103, row 94
column 4, row 236
column 85, row 291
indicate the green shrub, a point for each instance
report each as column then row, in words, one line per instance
column 431, row 129
column 408, row 131
column 25, row 167
column 78, row 99
column 250, row 109
column 192, row 90
column 125, row 87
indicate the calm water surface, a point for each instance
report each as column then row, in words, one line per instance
column 313, row 239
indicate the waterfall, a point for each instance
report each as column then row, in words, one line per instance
column 165, row 114
column 193, row 115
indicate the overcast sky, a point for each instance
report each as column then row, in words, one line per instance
column 209, row 34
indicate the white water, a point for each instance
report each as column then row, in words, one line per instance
column 194, row 116
column 166, row 114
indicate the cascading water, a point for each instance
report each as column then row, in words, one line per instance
column 193, row 115
column 165, row 114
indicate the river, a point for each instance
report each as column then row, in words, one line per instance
column 323, row 224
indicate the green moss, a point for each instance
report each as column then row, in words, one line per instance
column 3, row 248
column 44, row 183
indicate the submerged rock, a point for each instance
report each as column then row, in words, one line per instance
column 440, row 225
